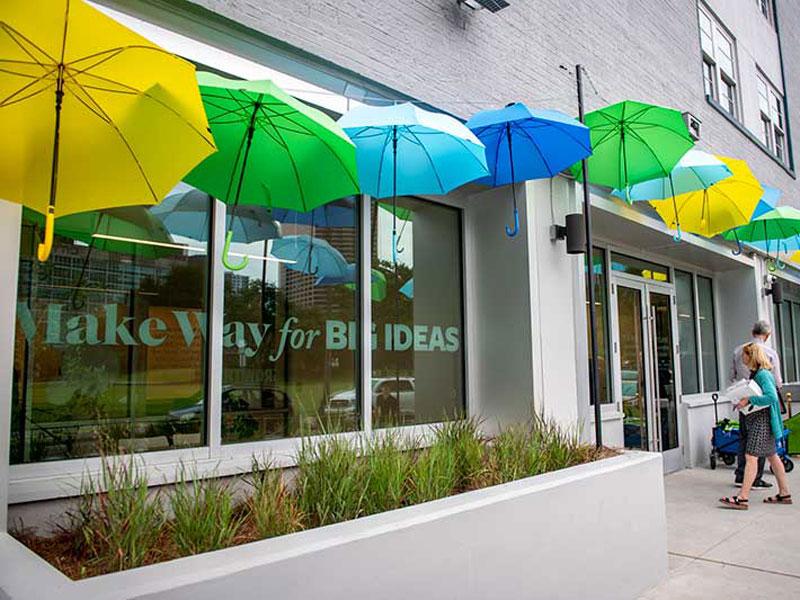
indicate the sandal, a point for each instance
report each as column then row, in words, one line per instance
column 735, row 502
column 778, row 499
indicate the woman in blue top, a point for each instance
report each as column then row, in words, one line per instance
column 764, row 428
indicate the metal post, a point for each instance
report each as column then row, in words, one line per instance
column 594, row 383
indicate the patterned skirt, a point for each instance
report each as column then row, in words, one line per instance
column 760, row 441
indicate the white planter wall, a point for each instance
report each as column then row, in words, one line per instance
column 593, row 531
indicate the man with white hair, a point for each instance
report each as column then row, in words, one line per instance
column 761, row 332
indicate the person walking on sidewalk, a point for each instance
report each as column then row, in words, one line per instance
column 761, row 332
column 764, row 428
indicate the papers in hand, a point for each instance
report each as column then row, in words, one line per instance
column 744, row 388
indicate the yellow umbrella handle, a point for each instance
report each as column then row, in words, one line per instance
column 43, row 251
column 229, row 265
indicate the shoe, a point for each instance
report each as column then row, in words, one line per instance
column 760, row 484
column 737, row 483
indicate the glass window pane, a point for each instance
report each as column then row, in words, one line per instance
column 724, row 53
column 289, row 336
column 639, row 267
column 418, row 356
column 708, row 339
column 687, row 332
column 110, row 351
column 601, row 321
column 706, row 39
column 787, row 343
column 763, row 97
column 708, row 79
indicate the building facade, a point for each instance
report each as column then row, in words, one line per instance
column 154, row 348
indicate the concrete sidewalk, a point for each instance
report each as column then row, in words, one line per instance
column 720, row 553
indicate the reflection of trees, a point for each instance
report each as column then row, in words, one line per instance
column 183, row 287
column 395, row 308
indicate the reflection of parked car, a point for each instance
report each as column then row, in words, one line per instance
column 384, row 396
column 246, row 403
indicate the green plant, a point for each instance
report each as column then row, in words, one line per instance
column 463, row 438
column 117, row 520
column 204, row 514
column 434, row 474
column 272, row 508
column 330, row 482
column 388, row 466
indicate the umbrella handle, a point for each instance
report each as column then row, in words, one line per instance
column 395, row 250
column 739, row 247
column 226, row 250
column 771, row 266
column 513, row 232
column 779, row 263
column 44, row 248
column 678, row 235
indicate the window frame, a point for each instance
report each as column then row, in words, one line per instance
column 772, row 114
column 712, row 58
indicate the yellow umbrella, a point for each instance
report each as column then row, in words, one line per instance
column 724, row 205
column 93, row 115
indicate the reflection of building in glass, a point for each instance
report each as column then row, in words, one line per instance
column 236, row 283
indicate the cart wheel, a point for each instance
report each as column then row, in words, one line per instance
column 713, row 461
column 728, row 459
column 788, row 464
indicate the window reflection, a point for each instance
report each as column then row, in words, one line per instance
column 110, row 350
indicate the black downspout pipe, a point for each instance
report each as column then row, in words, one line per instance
column 587, row 221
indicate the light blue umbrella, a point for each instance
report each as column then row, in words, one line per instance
column 768, row 201
column 407, row 289
column 695, row 170
column 309, row 255
column 405, row 150
column 188, row 214
column 524, row 144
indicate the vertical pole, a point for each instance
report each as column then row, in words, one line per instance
column 594, row 382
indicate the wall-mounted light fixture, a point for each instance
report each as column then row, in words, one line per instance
column 775, row 290
column 490, row 5
column 573, row 231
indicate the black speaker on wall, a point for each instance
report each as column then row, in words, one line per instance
column 776, row 290
column 576, row 234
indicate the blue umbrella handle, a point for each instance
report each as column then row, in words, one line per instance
column 394, row 247
column 225, row 251
column 739, row 247
column 779, row 263
column 513, row 232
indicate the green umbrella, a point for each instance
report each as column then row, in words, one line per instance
column 273, row 150
column 775, row 225
column 634, row 142
column 378, row 286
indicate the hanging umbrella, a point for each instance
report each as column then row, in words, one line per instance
column 274, row 151
column 405, row 150
column 768, row 201
column 722, row 206
column 188, row 214
column 523, row 144
column 312, row 256
column 634, row 142
column 407, row 289
column 771, row 228
column 329, row 215
column 93, row 115
column 695, row 170
column 377, row 279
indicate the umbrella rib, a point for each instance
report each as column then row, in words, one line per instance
column 99, row 112
column 430, row 159
column 497, row 154
column 566, row 130
column 13, row 32
column 650, row 150
column 5, row 101
column 386, row 139
column 539, row 151
column 116, row 51
column 285, row 147
column 203, row 134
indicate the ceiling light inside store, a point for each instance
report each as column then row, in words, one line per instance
column 490, row 5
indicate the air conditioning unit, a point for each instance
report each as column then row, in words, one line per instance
column 693, row 125
column 490, row 5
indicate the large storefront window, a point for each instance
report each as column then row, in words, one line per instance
column 708, row 339
column 417, row 358
column 110, row 352
column 687, row 332
column 289, row 335
column 601, row 322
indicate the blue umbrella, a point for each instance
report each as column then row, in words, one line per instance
column 695, row 170
column 405, row 150
column 188, row 214
column 407, row 289
column 768, row 201
column 309, row 255
column 524, row 144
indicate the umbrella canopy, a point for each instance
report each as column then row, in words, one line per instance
column 407, row 289
column 189, row 214
column 634, row 142
column 723, row 206
column 274, row 151
column 768, row 201
column 378, row 281
column 405, row 150
column 771, row 228
column 524, row 144
column 130, row 230
column 312, row 256
column 329, row 215
column 93, row 115
column 695, row 170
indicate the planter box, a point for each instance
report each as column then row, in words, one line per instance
column 593, row 531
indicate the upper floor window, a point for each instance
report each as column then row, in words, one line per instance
column 719, row 62
column 771, row 108
column 765, row 6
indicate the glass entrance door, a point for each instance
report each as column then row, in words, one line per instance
column 646, row 360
